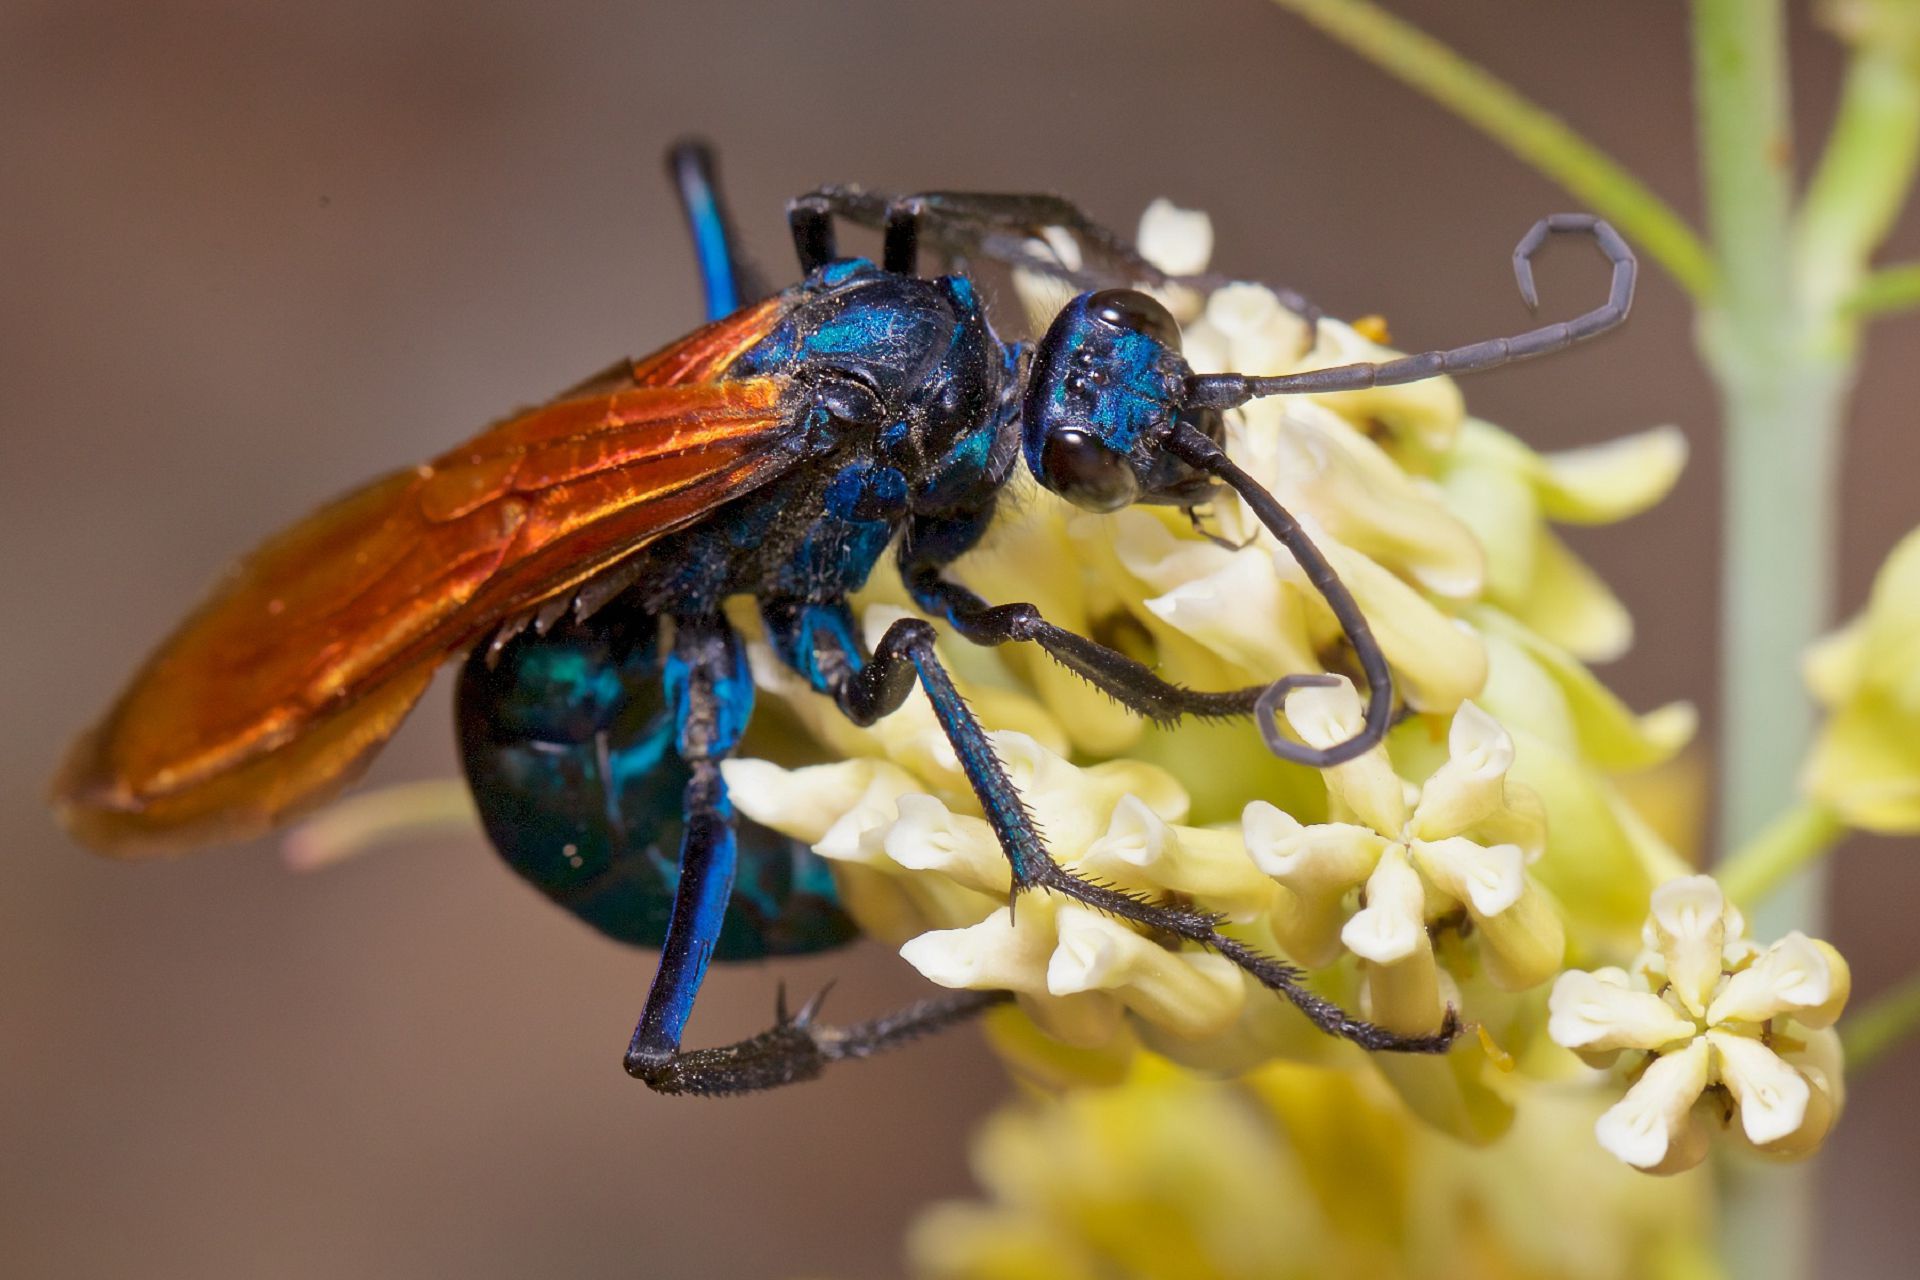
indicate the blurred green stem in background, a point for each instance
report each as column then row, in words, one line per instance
column 1883, row 1024
column 1777, row 852
column 1781, row 291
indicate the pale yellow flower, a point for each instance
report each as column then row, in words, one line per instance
column 1715, row 1028
column 1866, row 763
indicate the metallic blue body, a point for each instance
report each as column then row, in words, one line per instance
column 593, row 755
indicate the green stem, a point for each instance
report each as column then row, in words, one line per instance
column 1863, row 179
column 1888, row 289
column 1782, row 849
column 1783, row 394
column 1528, row 130
column 1882, row 1025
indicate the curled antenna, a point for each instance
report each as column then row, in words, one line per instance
column 1229, row 390
column 1196, row 450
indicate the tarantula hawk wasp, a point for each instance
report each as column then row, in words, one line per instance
column 777, row 452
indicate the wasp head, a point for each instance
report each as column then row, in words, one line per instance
column 1108, row 383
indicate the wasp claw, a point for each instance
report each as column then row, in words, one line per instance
column 811, row 1008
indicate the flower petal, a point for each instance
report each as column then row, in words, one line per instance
column 1605, row 730
column 1526, row 944
column 1652, row 1128
column 1393, row 924
column 1470, row 786
column 1438, row 662
column 1797, row 975
column 1598, row 1013
column 1006, row 952
column 1688, row 920
column 1606, row 482
column 1319, row 865
column 929, row 837
column 1325, row 468
column 814, row 802
column 1487, row 880
column 1771, row 1095
column 1178, row 241
column 1262, row 337
column 1367, row 785
column 1190, row 993
column 1570, row 605
column 1141, row 850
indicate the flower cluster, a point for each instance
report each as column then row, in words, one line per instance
column 1456, row 865
column 1716, row 1027
column 1454, row 852
column 1298, row 1172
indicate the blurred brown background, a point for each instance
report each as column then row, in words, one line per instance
column 256, row 252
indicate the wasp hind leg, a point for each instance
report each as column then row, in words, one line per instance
column 712, row 695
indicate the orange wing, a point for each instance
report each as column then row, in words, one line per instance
column 276, row 692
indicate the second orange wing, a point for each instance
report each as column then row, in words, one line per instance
column 279, row 688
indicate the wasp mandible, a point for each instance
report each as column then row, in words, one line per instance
column 777, row 453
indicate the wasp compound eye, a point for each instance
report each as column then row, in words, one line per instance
column 1137, row 312
column 1086, row 472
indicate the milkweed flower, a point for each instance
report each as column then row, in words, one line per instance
column 1396, row 861
column 1715, row 1029
column 1489, row 822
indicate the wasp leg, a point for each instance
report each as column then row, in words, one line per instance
column 869, row 687
column 810, row 219
column 934, row 542
column 712, row 695
column 798, row 1047
column 1127, row 681
column 727, row 278
column 1010, row 229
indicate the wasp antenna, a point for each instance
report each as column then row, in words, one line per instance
column 1227, row 390
column 1194, row 448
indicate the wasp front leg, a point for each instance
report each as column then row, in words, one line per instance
column 933, row 543
column 1008, row 228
